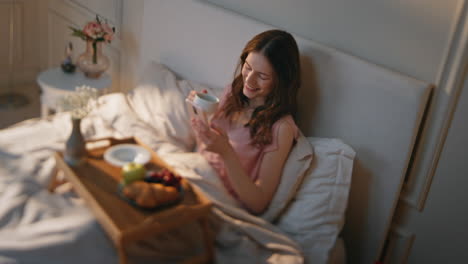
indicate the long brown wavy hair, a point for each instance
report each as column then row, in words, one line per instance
column 281, row 50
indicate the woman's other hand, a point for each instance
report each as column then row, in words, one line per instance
column 213, row 137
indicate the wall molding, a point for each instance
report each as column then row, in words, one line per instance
column 5, row 65
column 399, row 246
column 449, row 83
column 20, row 66
column 19, row 31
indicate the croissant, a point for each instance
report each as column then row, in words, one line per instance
column 146, row 198
column 131, row 191
column 164, row 194
column 148, row 195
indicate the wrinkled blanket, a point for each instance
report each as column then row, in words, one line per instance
column 39, row 227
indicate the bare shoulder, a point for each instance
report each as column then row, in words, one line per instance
column 286, row 135
column 286, row 128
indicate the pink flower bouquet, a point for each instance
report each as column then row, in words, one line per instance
column 95, row 31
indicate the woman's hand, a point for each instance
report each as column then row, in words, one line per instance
column 214, row 138
column 192, row 94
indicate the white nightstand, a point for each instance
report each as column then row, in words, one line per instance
column 55, row 84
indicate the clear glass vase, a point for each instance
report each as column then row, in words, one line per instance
column 93, row 62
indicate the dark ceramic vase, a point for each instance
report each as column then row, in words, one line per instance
column 75, row 147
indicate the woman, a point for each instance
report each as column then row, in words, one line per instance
column 253, row 131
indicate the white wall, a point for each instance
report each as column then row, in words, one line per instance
column 131, row 37
column 408, row 36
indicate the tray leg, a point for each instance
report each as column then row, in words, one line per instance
column 54, row 182
column 122, row 254
column 207, row 239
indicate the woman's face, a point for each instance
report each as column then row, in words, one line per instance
column 258, row 76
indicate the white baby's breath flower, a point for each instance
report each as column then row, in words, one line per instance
column 80, row 103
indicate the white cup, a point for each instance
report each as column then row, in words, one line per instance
column 205, row 104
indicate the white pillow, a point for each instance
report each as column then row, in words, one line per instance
column 316, row 215
column 159, row 100
column 298, row 162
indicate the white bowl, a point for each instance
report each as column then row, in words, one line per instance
column 121, row 154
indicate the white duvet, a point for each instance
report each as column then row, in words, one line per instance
column 39, row 227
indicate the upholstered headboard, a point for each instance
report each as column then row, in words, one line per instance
column 374, row 110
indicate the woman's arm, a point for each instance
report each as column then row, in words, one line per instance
column 256, row 196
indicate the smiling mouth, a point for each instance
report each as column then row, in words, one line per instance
column 251, row 89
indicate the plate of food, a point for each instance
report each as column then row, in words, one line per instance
column 157, row 189
column 122, row 154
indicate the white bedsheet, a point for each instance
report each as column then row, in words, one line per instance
column 39, row 227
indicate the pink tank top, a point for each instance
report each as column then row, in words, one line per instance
column 250, row 156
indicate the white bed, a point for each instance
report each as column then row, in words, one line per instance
column 375, row 111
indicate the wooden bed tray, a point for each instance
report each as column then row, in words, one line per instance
column 96, row 181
